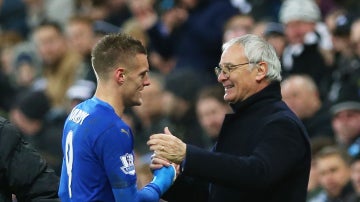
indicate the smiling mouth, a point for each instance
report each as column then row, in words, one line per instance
column 228, row 87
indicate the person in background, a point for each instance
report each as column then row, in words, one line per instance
column 61, row 66
column 179, row 106
column 262, row 152
column 275, row 35
column 8, row 88
column 81, row 38
column 346, row 118
column 150, row 115
column 23, row 172
column 238, row 25
column 98, row 162
column 309, row 46
column 211, row 109
column 317, row 144
column 346, row 63
column 30, row 114
column 355, row 178
column 301, row 94
column 333, row 167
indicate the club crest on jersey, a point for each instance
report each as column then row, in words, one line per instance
column 128, row 164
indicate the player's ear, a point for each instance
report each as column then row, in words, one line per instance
column 120, row 75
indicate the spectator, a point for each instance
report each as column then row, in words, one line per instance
column 355, row 178
column 25, row 71
column 274, row 34
column 81, row 38
column 309, row 43
column 333, row 166
column 346, row 119
column 13, row 17
column 317, row 144
column 211, row 109
column 238, row 25
column 8, row 88
column 151, row 113
column 61, row 66
column 29, row 114
column 301, row 94
column 49, row 10
column 179, row 106
column 345, row 61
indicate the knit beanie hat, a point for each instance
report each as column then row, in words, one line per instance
column 304, row 10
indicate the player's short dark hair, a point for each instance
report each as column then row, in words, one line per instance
column 114, row 50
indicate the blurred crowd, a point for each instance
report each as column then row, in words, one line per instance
column 45, row 70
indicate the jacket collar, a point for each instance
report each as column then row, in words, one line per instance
column 270, row 92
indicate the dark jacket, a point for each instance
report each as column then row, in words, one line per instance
column 262, row 154
column 23, row 171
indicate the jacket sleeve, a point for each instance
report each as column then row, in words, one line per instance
column 24, row 170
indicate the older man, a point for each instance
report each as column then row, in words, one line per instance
column 262, row 153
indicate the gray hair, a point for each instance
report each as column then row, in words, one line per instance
column 257, row 50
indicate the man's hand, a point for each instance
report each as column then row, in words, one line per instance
column 167, row 146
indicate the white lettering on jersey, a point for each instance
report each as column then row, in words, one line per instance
column 78, row 116
column 128, row 164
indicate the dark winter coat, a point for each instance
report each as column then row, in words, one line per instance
column 262, row 154
column 23, row 171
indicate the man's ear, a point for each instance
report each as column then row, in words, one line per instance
column 262, row 68
column 120, row 75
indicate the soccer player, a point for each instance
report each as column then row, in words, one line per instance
column 98, row 163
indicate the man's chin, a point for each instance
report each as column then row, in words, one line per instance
column 228, row 99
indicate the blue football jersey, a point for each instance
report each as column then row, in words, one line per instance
column 98, row 154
